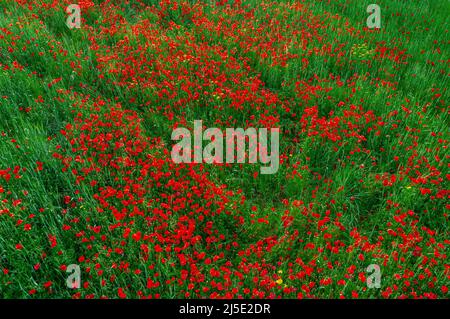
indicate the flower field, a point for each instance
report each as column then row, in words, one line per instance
column 87, row 178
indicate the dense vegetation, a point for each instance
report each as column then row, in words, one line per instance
column 86, row 175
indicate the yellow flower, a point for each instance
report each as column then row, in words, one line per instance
column 279, row 281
